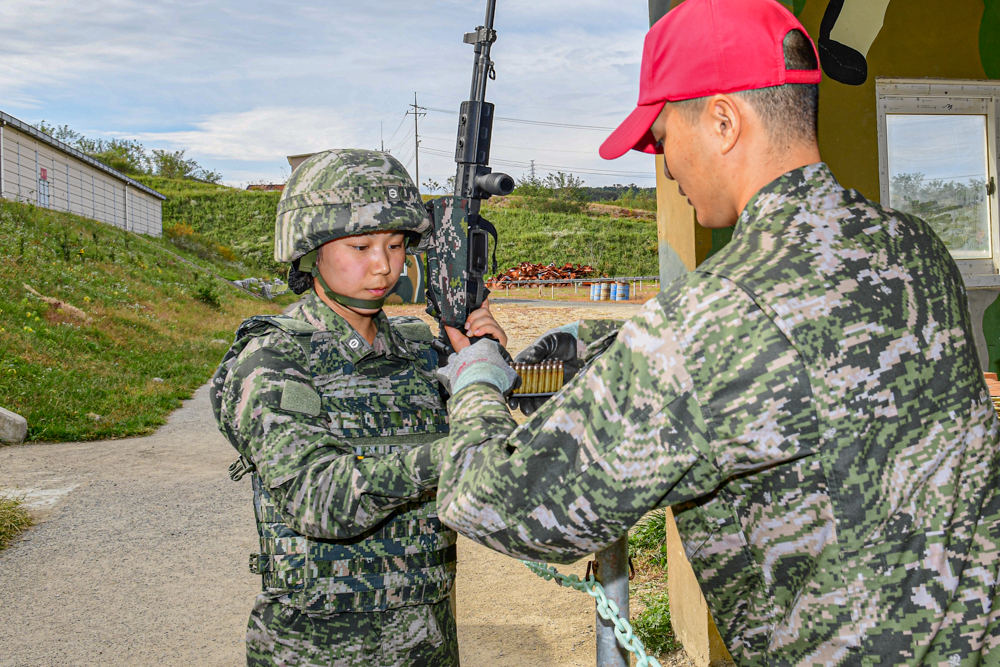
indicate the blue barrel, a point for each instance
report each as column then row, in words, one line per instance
column 621, row 294
column 595, row 291
column 614, row 292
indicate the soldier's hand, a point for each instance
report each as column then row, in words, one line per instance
column 555, row 345
column 479, row 362
column 481, row 323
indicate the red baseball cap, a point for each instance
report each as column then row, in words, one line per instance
column 707, row 47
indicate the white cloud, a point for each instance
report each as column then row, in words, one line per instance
column 239, row 84
column 265, row 133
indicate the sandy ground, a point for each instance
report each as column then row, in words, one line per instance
column 140, row 554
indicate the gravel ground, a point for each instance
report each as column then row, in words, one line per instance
column 140, row 554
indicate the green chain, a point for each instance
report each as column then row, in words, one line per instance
column 605, row 607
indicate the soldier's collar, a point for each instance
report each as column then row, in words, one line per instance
column 395, row 344
column 802, row 184
column 320, row 315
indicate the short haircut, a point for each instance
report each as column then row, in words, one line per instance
column 789, row 112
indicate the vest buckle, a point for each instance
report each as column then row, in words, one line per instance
column 260, row 563
column 240, row 467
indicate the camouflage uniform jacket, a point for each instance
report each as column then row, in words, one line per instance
column 343, row 486
column 810, row 403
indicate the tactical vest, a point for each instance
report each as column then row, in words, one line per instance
column 407, row 559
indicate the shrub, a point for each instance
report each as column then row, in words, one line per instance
column 207, row 294
column 13, row 518
column 648, row 538
column 654, row 627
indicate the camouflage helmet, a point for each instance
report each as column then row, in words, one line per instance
column 343, row 192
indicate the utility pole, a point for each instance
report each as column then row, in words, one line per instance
column 532, row 171
column 381, row 135
column 417, row 111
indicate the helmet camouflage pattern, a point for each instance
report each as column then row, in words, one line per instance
column 344, row 192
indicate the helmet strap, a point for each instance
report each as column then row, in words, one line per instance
column 349, row 301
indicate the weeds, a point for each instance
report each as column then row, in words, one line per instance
column 653, row 625
column 647, row 547
column 14, row 518
column 644, row 200
column 647, row 540
column 207, row 294
column 183, row 236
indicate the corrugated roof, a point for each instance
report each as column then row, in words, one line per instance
column 37, row 134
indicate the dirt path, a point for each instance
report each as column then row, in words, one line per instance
column 140, row 556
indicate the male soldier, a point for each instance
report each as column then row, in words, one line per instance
column 335, row 411
column 808, row 400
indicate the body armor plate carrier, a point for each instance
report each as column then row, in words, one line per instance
column 409, row 558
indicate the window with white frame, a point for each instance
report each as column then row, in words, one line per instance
column 938, row 161
column 43, row 187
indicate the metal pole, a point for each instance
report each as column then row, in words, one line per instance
column 612, row 573
column 416, row 140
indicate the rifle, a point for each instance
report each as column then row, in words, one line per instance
column 458, row 254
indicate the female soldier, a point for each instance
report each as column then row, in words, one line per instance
column 334, row 410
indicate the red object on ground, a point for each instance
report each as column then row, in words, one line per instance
column 528, row 271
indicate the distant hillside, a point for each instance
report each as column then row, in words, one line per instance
column 615, row 246
column 240, row 220
column 137, row 331
column 243, row 221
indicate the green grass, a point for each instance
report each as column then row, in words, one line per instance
column 13, row 519
column 532, row 229
column 647, row 546
column 615, row 246
column 242, row 221
column 151, row 316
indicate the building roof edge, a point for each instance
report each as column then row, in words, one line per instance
column 35, row 133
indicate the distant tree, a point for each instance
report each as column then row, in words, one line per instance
column 131, row 157
column 61, row 132
column 432, row 186
column 173, row 164
column 957, row 210
column 128, row 157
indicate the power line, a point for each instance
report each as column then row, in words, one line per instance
column 527, row 165
column 397, row 128
column 402, row 142
column 531, row 122
column 509, row 103
column 526, row 148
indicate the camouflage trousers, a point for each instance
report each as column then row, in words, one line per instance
column 416, row 636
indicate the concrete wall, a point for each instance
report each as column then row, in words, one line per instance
column 73, row 185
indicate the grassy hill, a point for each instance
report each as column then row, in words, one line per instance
column 243, row 222
column 141, row 341
column 616, row 246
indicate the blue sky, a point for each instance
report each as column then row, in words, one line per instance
column 240, row 85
